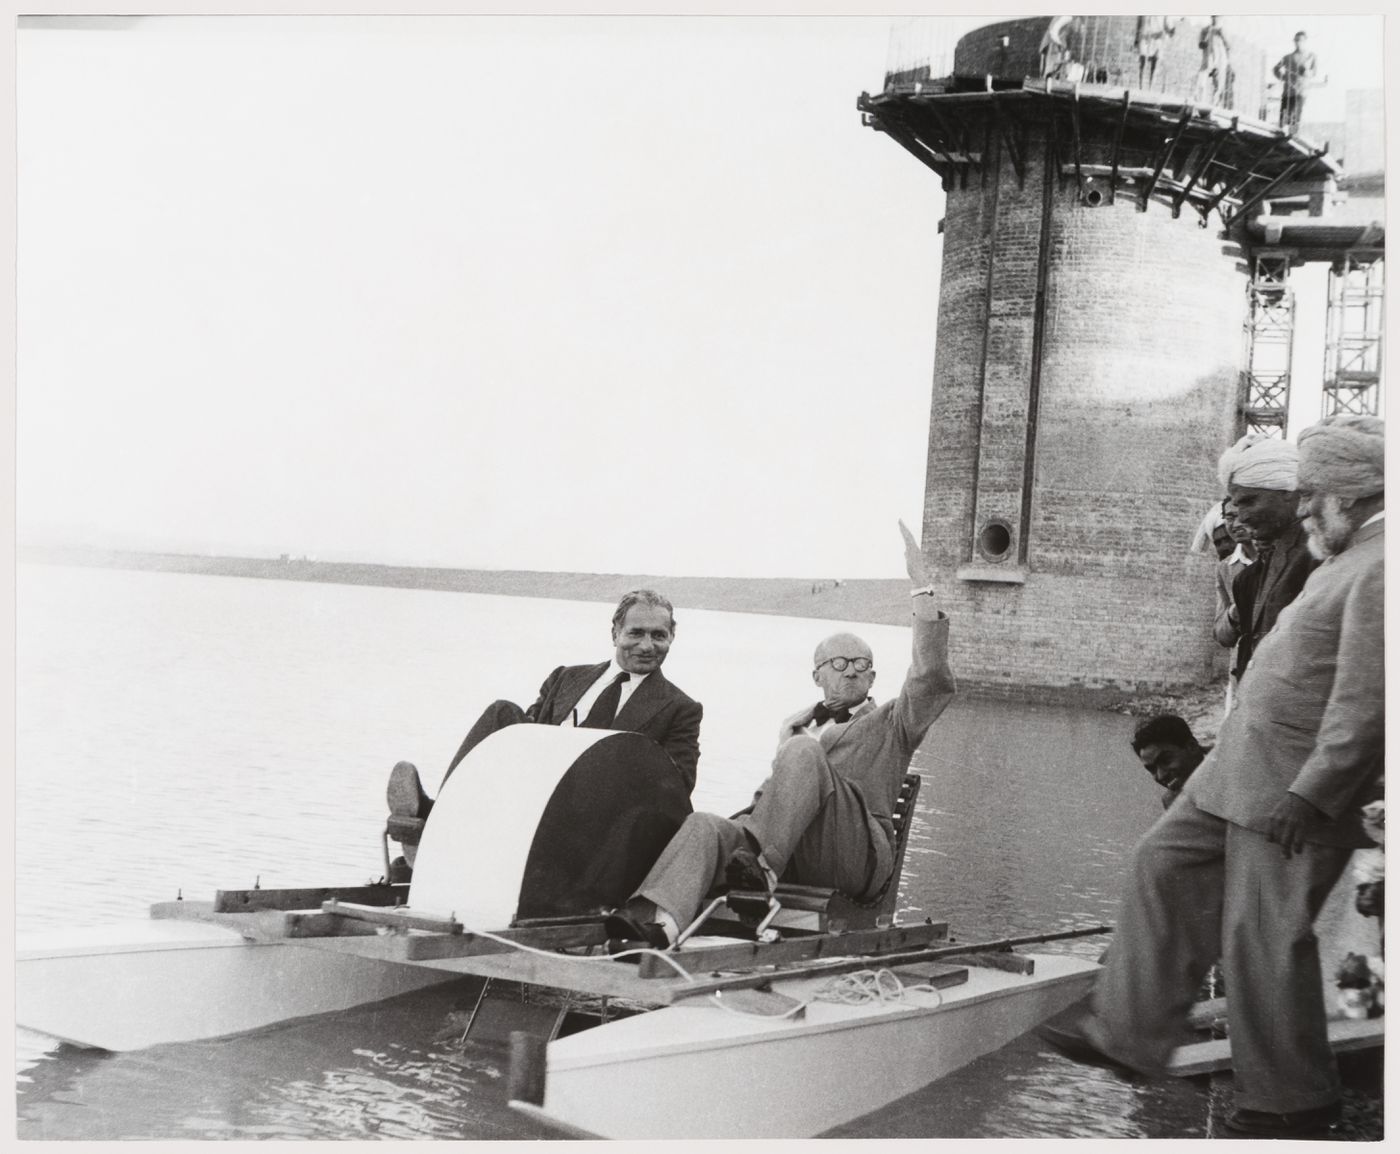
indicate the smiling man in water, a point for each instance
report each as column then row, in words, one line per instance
column 1168, row 751
column 628, row 693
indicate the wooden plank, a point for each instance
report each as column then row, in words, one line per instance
column 838, row 965
column 1206, row 1014
column 1117, row 145
column 818, row 968
column 300, row 924
column 436, row 947
column 397, row 917
column 597, row 974
column 742, row 954
column 261, row 925
column 762, row 1003
column 939, row 975
column 1211, row 1057
column 1011, row 963
column 245, row 901
column 1108, row 171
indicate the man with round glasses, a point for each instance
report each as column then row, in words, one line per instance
column 823, row 816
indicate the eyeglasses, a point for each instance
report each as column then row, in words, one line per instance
column 839, row 664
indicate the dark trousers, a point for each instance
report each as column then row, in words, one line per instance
column 1291, row 110
column 495, row 716
column 1202, row 888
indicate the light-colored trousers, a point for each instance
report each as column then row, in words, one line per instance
column 1202, row 888
column 809, row 822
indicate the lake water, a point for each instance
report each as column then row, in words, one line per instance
column 181, row 733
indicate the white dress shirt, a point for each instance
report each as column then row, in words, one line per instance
column 594, row 691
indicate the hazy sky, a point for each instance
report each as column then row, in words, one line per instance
column 612, row 294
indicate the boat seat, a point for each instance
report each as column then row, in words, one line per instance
column 819, row 909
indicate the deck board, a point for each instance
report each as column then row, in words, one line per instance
column 1345, row 1035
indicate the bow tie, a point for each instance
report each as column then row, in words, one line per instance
column 824, row 713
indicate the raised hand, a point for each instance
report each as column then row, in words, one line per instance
column 913, row 558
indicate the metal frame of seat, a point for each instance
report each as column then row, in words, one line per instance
column 407, row 831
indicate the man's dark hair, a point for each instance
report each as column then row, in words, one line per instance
column 642, row 597
column 1163, row 729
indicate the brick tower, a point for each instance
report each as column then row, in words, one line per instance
column 1087, row 376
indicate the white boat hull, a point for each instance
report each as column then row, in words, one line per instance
column 137, row 984
column 695, row 1071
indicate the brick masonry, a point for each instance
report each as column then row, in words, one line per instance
column 1142, row 341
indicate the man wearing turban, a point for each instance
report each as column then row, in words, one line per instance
column 1239, row 867
column 1260, row 474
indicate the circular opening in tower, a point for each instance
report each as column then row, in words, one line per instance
column 994, row 542
column 1093, row 197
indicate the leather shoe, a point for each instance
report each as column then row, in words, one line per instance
column 405, row 793
column 745, row 871
column 1069, row 1041
column 627, row 933
column 1301, row 1124
column 400, row 872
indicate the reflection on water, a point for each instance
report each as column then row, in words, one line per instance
column 186, row 733
column 379, row 1072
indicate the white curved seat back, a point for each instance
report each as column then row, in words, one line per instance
column 471, row 860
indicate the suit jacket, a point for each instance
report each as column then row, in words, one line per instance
column 656, row 708
column 873, row 750
column 1264, row 589
column 1309, row 718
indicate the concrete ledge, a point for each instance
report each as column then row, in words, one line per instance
column 1005, row 574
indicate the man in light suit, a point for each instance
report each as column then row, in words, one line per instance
column 823, row 816
column 1240, row 866
column 628, row 693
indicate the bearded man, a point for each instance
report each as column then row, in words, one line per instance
column 1240, row 865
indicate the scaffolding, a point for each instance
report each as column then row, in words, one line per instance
column 1355, row 328
column 1100, row 50
column 1268, row 357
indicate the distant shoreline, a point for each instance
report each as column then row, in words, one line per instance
column 873, row 601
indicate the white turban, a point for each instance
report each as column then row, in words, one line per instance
column 1343, row 455
column 1204, row 539
column 1257, row 461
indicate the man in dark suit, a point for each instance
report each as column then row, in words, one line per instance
column 1240, row 866
column 628, row 693
column 823, row 816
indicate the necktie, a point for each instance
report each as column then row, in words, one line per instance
column 605, row 708
column 824, row 713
